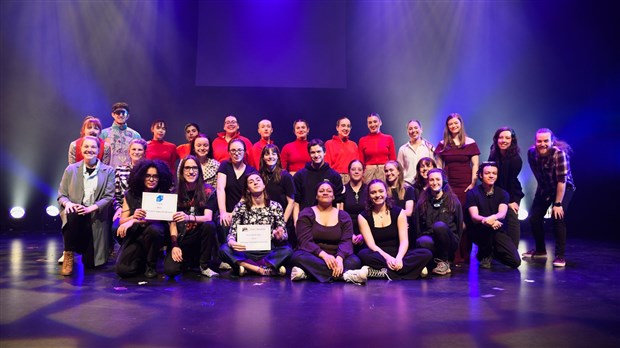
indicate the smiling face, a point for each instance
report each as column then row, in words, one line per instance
column 424, row 168
column 136, row 152
column 377, row 193
column 301, row 130
column 190, row 171
column 317, row 155
column 271, row 158
column 92, row 129
column 325, row 194
column 159, row 131
column 201, row 147
column 255, row 183
column 391, row 172
column 344, row 128
column 231, row 126
column 489, row 175
column 414, row 130
column 236, row 151
column 504, row 140
column 120, row 116
column 435, row 182
column 90, row 150
column 356, row 171
column 151, row 179
column 190, row 133
column 374, row 124
column 454, row 126
column 543, row 143
column 264, row 129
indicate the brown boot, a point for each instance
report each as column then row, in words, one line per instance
column 67, row 265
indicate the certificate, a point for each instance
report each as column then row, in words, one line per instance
column 159, row 206
column 254, row 237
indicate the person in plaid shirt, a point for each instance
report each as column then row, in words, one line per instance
column 549, row 161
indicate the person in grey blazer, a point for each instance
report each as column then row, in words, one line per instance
column 85, row 194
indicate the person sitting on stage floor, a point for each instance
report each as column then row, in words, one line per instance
column 439, row 220
column 257, row 209
column 325, row 250
column 385, row 230
column 355, row 194
column 142, row 238
column 86, row 192
column 193, row 241
column 487, row 205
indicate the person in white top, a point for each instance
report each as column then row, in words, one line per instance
column 410, row 153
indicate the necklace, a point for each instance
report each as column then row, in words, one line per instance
column 357, row 197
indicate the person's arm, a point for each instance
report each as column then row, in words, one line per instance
column 391, row 149
column 290, row 205
column 558, row 212
column 403, row 239
column 474, row 172
column 366, row 232
column 225, row 217
column 71, row 154
column 176, row 252
column 238, row 213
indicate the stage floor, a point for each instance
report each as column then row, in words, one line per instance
column 535, row 306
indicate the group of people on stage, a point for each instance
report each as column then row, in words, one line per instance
column 337, row 210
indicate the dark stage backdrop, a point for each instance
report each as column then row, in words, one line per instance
column 527, row 64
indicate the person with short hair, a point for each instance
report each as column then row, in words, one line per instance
column 375, row 149
column 295, row 154
column 160, row 149
column 550, row 163
column 340, row 150
column 265, row 129
column 231, row 131
column 487, row 205
column 412, row 151
column 119, row 135
column 191, row 131
column 90, row 126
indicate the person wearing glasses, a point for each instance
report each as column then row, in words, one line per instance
column 193, row 241
column 231, row 131
column 119, row 135
column 142, row 238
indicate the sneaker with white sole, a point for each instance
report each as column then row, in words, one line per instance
column 376, row 273
column 559, row 261
column 224, row 265
column 207, row 272
column 442, row 268
column 282, row 271
column 486, row 262
column 356, row 276
column 424, row 272
column 241, row 271
column 535, row 254
column 62, row 258
column 298, row 274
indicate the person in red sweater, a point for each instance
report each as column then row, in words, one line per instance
column 264, row 130
column 191, row 131
column 340, row 150
column 159, row 149
column 295, row 154
column 231, row 131
column 375, row 149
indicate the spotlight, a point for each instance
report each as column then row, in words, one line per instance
column 17, row 212
column 52, row 210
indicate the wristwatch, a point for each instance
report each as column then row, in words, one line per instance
column 557, row 204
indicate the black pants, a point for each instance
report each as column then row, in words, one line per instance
column 441, row 241
column 77, row 236
column 140, row 248
column 198, row 246
column 537, row 213
column 315, row 267
column 496, row 243
column 413, row 262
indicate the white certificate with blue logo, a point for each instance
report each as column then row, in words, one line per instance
column 159, row 206
column 254, row 237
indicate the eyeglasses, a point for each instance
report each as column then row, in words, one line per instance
column 236, row 151
column 153, row 177
column 120, row 112
column 190, row 168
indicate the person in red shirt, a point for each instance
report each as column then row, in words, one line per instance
column 191, row 131
column 264, row 130
column 231, row 131
column 159, row 149
column 295, row 154
column 375, row 149
column 90, row 126
column 340, row 150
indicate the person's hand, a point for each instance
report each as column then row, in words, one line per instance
column 278, row 233
column 236, row 246
column 122, row 229
column 514, row 206
column 391, row 262
column 398, row 264
column 177, row 254
column 88, row 210
column 117, row 214
column 471, row 186
column 339, row 269
column 71, row 207
column 358, row 239
column 139, row 214
column 180, row 216
column 225, row 219
column 558, row 213
column 496, row 225
column 330, row 260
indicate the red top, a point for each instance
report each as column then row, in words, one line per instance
column 257, row 149
column 162, row 150
column 184, row 150
column 220, row 147
column 295, row 155
column 338, row 153
column 377, row 149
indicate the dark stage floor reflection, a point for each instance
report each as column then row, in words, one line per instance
column 535, row 306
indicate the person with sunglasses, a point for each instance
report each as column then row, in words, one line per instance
column 119, row 135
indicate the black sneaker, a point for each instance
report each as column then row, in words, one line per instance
column 150, row 272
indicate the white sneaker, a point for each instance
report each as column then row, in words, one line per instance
column 356, row 276
column 424, row 272
column 241, row 271
column 207, row 272
column 224, row 265
column 62, row 258
column 282, row 271
column 298, row 274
